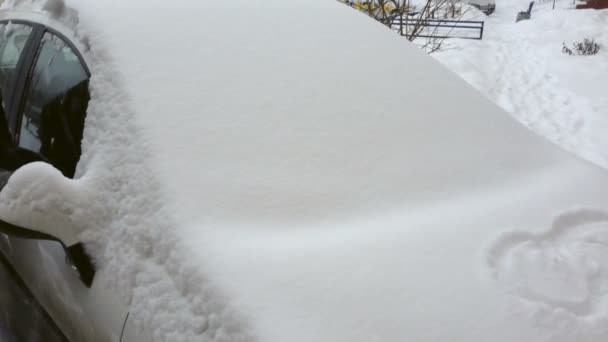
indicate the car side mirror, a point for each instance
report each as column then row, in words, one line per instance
column 33, row 206
column 75, row 253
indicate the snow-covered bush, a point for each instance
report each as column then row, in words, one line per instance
column 585, row 48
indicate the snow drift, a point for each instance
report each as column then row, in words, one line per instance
column 246, row 176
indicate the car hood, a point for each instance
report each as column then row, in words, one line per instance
column 297, row 169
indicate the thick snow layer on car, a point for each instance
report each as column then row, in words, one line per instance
column 55, row 9
column 271, row 171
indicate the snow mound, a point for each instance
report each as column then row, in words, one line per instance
column 258, row 182
column 137, row 244
column 53, row 7
column 57, row 9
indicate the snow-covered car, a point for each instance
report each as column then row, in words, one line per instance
column 223, row 184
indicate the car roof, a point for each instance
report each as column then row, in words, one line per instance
column 327, row 178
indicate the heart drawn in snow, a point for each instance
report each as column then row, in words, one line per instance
column 563, row 270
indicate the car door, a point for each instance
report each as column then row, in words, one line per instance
column 17, row 303
column 45, row 82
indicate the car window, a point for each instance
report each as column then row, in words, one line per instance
column 55, row 105
column 12, row 42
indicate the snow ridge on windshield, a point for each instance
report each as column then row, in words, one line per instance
column 134, row 237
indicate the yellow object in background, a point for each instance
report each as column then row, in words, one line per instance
column 370, row 6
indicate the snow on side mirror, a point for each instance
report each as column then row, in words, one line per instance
column 36, row 203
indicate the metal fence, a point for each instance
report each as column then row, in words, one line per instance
column 438, row 28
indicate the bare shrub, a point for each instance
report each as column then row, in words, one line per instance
column 587, row 47
column 411, row 18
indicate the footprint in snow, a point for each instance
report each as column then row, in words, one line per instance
column 559, row 277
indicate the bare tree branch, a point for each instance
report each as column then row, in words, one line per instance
column 413, row 18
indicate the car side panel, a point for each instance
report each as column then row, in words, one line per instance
column 83, row 314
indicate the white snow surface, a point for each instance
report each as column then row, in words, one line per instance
column 520, row 66
column 246, row 177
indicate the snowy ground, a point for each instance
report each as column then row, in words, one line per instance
column 521, row 67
